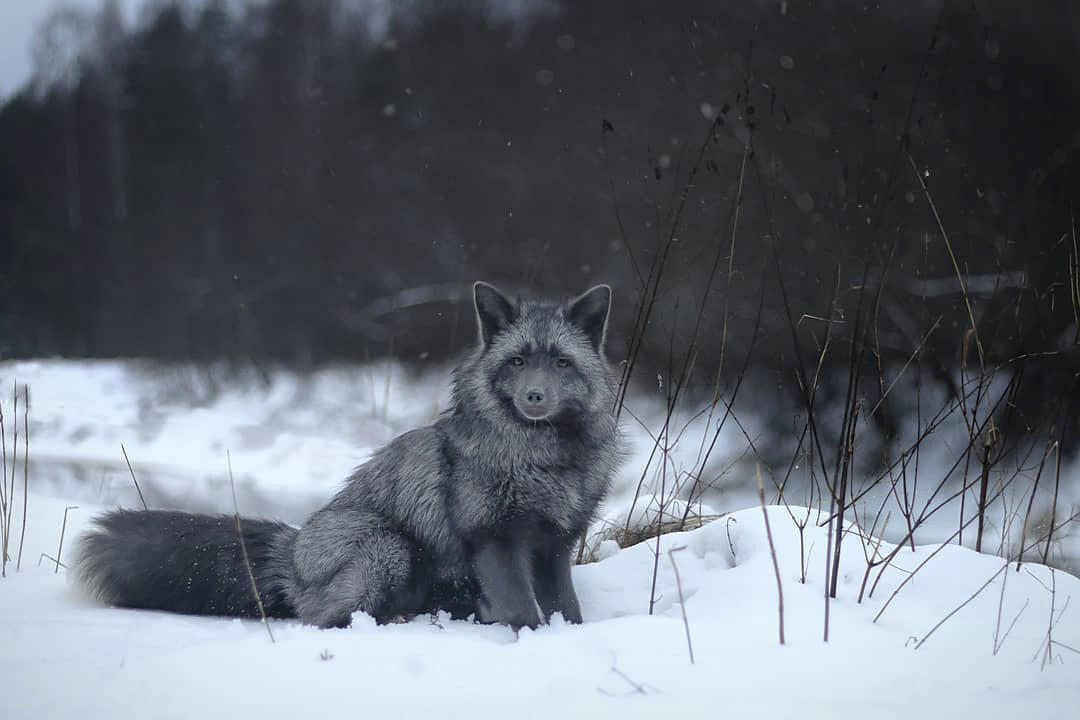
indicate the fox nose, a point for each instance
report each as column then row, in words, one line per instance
column 534, row 396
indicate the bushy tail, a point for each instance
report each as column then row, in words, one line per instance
column 187, row 563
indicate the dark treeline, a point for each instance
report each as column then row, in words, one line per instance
column 299, row 183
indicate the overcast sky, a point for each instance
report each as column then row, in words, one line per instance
column 19, row 20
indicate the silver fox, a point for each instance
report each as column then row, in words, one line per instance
column 478, row 514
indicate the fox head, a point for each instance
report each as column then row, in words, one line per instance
column 541, row 362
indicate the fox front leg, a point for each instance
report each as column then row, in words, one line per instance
column 502, row 569
column 554, row 586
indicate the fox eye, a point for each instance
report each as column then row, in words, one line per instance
column 562, row 363
column 517, row 360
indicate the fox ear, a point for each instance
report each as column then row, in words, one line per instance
column 590, row 313
column 494, row 311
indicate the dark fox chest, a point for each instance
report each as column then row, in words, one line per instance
column 499, row 498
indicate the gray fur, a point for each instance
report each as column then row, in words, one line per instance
column 477, row 514
column 186, row 563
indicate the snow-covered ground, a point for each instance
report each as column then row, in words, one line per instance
column 293, row 441
column 67, row 657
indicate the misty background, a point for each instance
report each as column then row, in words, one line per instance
column 778, row 191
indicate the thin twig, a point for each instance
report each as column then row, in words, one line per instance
column 4, row 530
column 47, row 556
column 998, row 644
column 26, row 471
column 1031, row 502
column 137, row 488
column 1001, row 603
column 1049, row 656
column 952, row 256
column 243, row 550
column 1053, row 624
column 1002, row 569
column 911, row 357
column 961, row 606
column 731, row 256
column 63, row 529
column 1053, row 507
column 984, row 480
column 660, row 514
column 14, row 459
column 8, row 495
column 638, row 688
column 1005, row 637
column 682, row 602
column 1074, row 277
column 772, row 552
column 648, row 294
